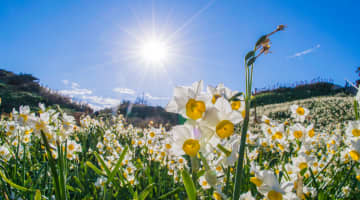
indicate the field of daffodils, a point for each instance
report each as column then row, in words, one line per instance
column 308, row 150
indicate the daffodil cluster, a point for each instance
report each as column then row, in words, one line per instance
column 211, row 118
column 23, row 126
column 285, row 158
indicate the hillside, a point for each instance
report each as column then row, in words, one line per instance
column 141, row 115
column 329, row 111
column 24, row 89
column 305, row 91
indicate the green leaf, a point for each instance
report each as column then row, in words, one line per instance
column 73, row 189
column 37, row 195
column 61, row 164
column 189, row 185
column 181, row 120
column 136, row 196
column 93, row 167
column 178, row 189
column 78, row 182
column 249, row 55
column 314, row 180
column 52, row 164
column 224, row 150
column 148, row 174
column 200, row 173
column 260, row 40
column 251, row 61
column 14, row 185
column 236, row 96
column 117, row 166
column 107, row 170
column 146, row 192
column 322, row 196
column 103, row 165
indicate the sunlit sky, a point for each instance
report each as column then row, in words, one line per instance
column 90, row 49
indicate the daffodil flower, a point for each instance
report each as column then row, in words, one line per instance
column 187, row 139
column 247, row 196
column 354, row 150
column 190, row 102
column 219, row 91
column 353, row 129
column 297, row 131
column 222, row 119
column 271, row 188
column 299, row 113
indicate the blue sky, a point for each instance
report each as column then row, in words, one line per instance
column 87, row 49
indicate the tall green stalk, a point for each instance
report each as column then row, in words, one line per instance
column 240, row 163
column 262, row 46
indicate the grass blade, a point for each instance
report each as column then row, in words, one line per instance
column 146, row 192
column 94, row 168
column 12, row 184
column 117, row 166
column 37, row 195
column 52, row 164
column 178, row 189
column 103, row 165
column 189, row 185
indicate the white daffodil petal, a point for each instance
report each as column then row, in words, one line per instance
column 223, row 105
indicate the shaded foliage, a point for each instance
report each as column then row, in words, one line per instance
column 281, row 95
column 141, row 115
column 24, row 89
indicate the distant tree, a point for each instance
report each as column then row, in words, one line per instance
column 22, row 79
column 141, row 100
column 126, row 102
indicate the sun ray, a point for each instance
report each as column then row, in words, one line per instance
column 192, row 18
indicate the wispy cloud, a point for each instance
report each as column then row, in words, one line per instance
column 100, row 102
column 75, row 89
column 150, row 97
column 85, row 95
column 77, row 93
column 65, row 82
column 133, row 93
column 124, row 91
column 75, row 85
column 307, row 51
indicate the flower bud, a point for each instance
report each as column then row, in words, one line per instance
column 211, row 178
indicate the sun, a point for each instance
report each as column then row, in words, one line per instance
column 154, row 51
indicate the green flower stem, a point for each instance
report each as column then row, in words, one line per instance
column 194, row 168
column 240, row 162
column 239, row 167
column 356, row 110
column 346, row 178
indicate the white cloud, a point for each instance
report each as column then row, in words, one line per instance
column 103, row 101
column 149, row 96
column 75, row 92
column 84, row 95
column 75, row 85
column 307, row 51
column 99, row 102
column 95, row 107
column 75, row 89
column 65, row 82
column 124, row 91
column 133, row 92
